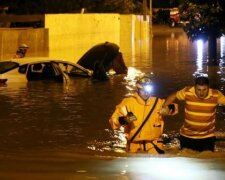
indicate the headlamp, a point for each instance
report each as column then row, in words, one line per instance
column 145, row 83
column 147, row 88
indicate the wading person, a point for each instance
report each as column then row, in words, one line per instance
column 198, row 130
column 143, row 123
column 21, row 51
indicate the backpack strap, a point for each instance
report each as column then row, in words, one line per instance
column 143, row 123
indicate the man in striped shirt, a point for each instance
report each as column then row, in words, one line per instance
column 198, row 130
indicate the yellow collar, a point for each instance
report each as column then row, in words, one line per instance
column 143, row 102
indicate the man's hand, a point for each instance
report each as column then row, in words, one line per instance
column 130, row 117
column 171, row 109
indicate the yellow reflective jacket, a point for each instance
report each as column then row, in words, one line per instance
column 152, row 129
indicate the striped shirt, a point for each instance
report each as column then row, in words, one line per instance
column 199, row 113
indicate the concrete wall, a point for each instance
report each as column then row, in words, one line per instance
column 11, row 38
column 134, row 36
column 69, row 36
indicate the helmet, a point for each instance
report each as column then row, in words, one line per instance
column 23, row 46
column 144, row 83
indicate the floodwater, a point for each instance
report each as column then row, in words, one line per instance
column 55, row 131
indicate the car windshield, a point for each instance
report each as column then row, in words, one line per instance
column 72, row 70
column 7, row 66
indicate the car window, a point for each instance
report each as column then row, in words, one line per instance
column 7, row 66
column 23, row 69
column 72, row 70
column 34, row 71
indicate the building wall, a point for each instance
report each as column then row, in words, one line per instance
column 11, row 38
column 134, row 36
column 69, row 36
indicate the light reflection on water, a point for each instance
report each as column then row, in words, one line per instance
column 199, row 59
column 222, row 46
column 75, row 116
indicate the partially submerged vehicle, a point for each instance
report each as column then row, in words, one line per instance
column 103, row 57
column 33, row 69
column 95, row 63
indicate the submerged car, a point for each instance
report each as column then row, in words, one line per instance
column 96, row 63
column 33, row 69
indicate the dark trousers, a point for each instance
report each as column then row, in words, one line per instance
column 198, row 144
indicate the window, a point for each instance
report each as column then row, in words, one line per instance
column 23, row 69
column 72, row 70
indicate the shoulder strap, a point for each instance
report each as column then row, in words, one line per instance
column 143, row 123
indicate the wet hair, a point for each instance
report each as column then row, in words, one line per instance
column 202, row 81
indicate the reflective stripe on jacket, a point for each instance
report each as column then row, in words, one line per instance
column 153, row 128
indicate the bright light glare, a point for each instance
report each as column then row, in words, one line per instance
column 199, row 55
column 167, row 168
column 148, row 88
column 222, row 46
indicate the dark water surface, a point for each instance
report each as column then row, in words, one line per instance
column 55, row 131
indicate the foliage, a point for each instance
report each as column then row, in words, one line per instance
column 71, row 6
column 75, row 6
column 166, row 3
column 119, row 6
column 206, row 18
column 162, row 17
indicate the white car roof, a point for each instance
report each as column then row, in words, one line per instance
column 27, row 60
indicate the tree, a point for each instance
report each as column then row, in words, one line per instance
column 206, row 21
column 71, row 6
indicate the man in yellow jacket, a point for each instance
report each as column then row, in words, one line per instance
column 141, row 115
column 198, row 130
